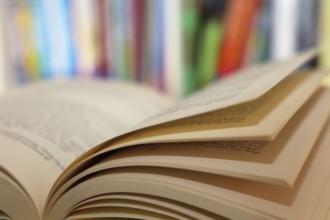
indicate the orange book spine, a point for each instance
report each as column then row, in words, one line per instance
column 238, row 23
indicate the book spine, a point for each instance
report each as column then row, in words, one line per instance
column 190, row 21
column 157, row 39
column 102, row 42
column 59, row 38
column 6, row 75
column 40, row 36
column 210, row 31
column 147, row 46
column 15, row 44
column 139, row 9
column 83, row 20
column 263, row 38
column 110, row 47
column 324, row 38
column 284, row 40
column 140, row 18
column 129, row 39
column 238, row 23
column 118, row 39
column 173, row 48
column 22, row 39
column 308, row 24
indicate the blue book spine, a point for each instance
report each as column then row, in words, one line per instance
column 40, row 34
column 158, row 44
column 59, row 38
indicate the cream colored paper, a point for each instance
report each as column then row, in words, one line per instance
column 45, row 127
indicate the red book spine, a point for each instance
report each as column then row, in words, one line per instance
column 238, row 23
column 138, row 25
column 102, row 63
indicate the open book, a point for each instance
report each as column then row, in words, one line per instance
column 252, row 146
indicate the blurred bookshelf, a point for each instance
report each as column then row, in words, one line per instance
column 174, row 46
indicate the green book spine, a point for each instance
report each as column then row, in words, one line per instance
column 208, row 52
column 190, row 19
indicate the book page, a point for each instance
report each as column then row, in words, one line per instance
column 277, row 162
column 104, row 209
column 182, row 208
column 46, row 126
column 231, row 197
column 260, row 119
column 14, row 200
column 322, row 210
column 246, row 85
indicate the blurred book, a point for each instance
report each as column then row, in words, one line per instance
column 209, row 35
column 6, row 75
column 101, row 42
column 83, row 22
column 58, row 30
column 190, row 22
column 173, row 49
column 285, row 28
column 22, row 39
column 308, row 24
column 324, row 34
column 238, row 22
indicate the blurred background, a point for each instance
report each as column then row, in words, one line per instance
column 174, row 46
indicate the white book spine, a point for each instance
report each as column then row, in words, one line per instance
column 284, row 29
column 83, row 33
column 173, row 48
column 5, row 74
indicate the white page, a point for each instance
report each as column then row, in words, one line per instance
column 45, row 127
column 277, row 162
column 171, row 204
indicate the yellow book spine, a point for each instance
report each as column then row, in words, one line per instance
column 324, row 40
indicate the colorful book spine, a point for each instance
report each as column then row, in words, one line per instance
column 263, row 37
column 238, row 22
column 146, row 75
column 83, row 20
column 59, row 38
column 190, row 21
column 139, row 9
column 129, row 39
column 118, row 39
column 158, row 44
column 110, row 47
column 39, row 28
column 210, row 31
column 102, row 41
column 23, row 39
